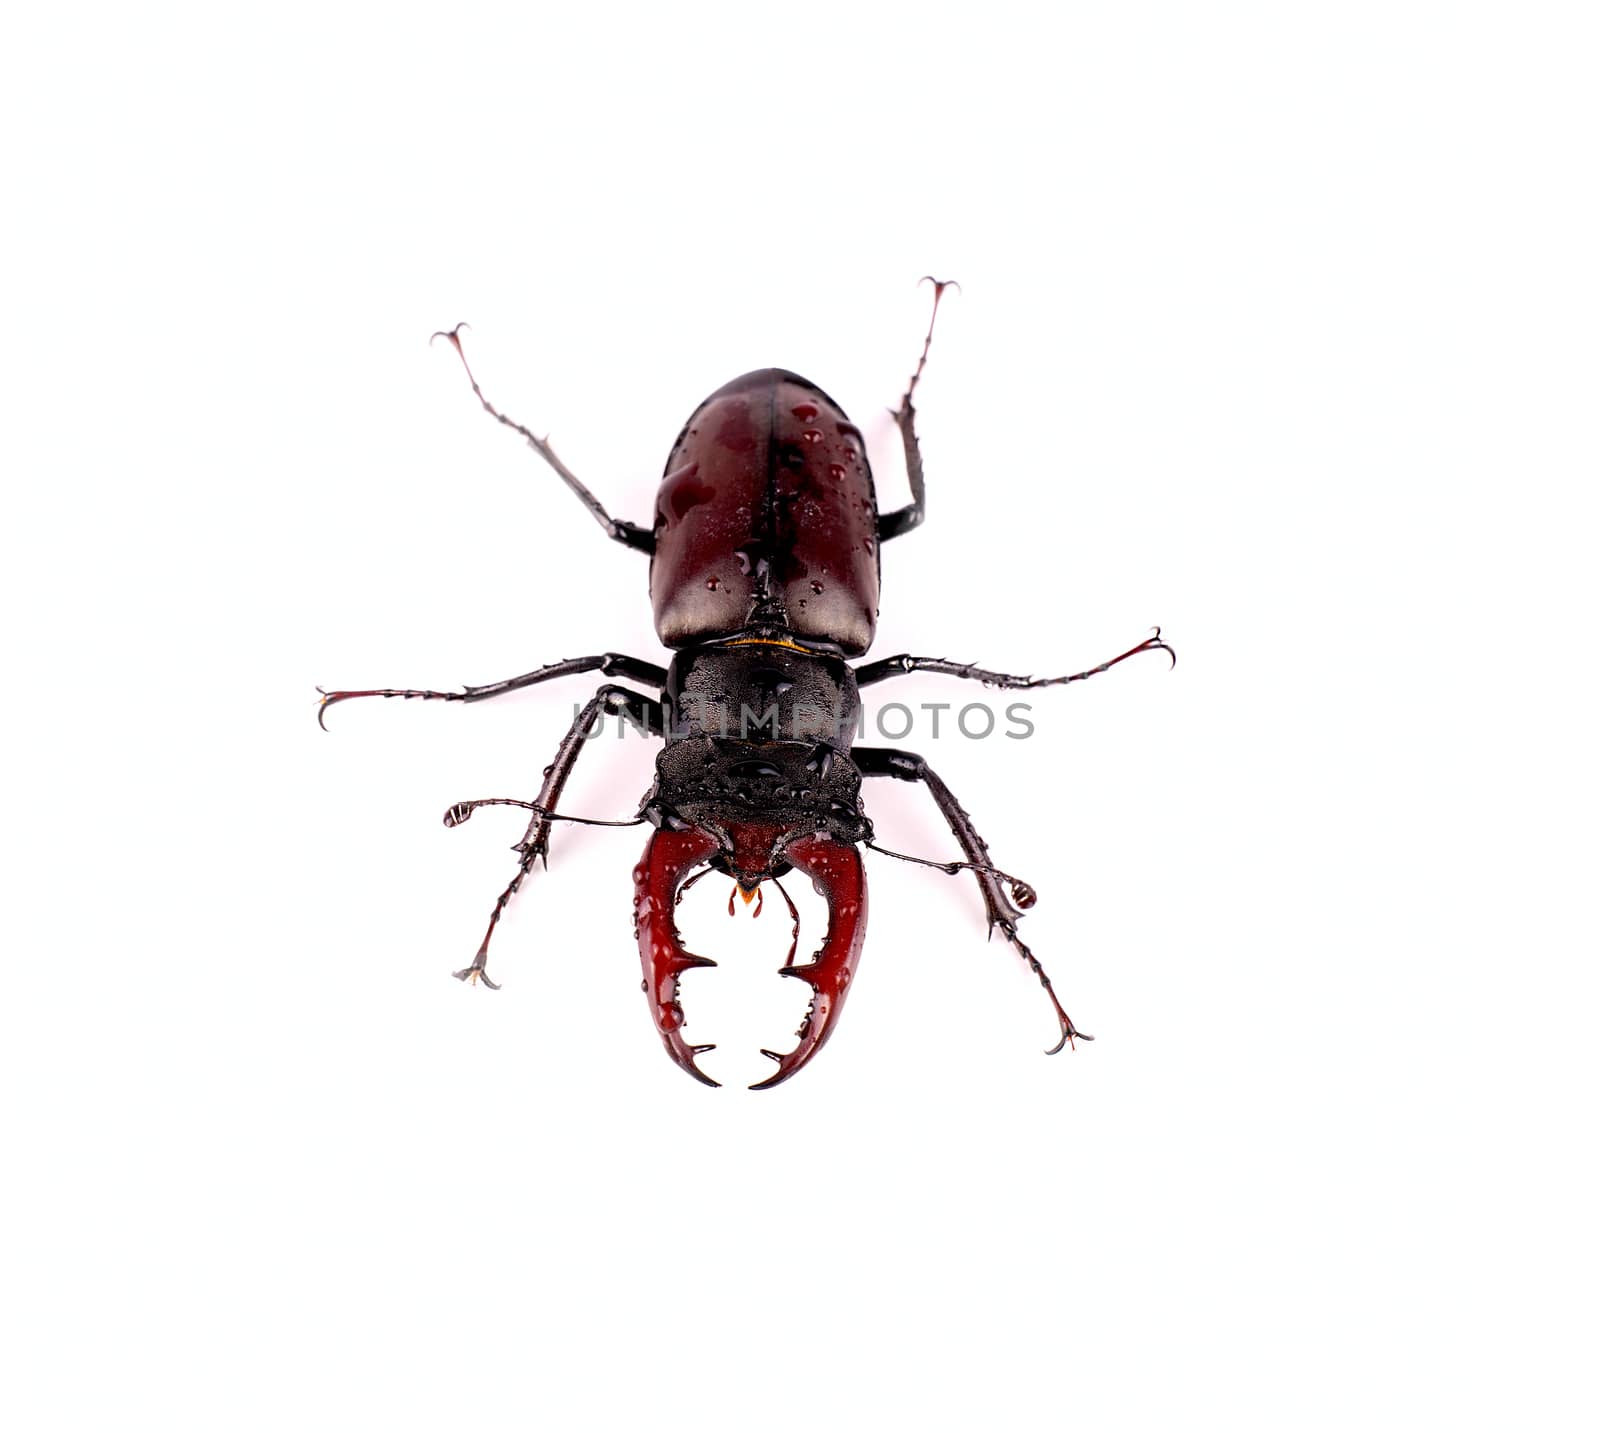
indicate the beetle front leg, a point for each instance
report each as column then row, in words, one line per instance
column 1003, row 915
column 646, row 713
column 905, row 664
column 611, row 664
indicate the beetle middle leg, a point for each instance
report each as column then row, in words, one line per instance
column 905, row 663
column 611, row 664
column 908, row 766
column 646, row 713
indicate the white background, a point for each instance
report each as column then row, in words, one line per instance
column 1278, row 327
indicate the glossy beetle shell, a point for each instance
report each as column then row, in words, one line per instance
column 767, row 514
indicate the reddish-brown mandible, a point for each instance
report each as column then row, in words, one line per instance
column 835, row 871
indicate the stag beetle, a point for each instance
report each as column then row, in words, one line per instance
column 764, row 572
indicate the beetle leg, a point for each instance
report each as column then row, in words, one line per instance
column 629, row 534
column 905, row 416
column 611, row 664
column 535, row 842
column 1003, row 915
column 835, row 870
column 658, row 882
column 871, row 672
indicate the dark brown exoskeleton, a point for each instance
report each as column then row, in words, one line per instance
column 764, row 576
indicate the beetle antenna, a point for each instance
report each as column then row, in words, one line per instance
column 464, row 809
column 683, row 890
column 794, row 945
column 1021, row 892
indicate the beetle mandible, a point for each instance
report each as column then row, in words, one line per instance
column 764, row 573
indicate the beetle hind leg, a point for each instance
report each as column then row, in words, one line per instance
column 641, row 539
column 902, row 520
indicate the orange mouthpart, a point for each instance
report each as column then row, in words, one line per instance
column 749, row 895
